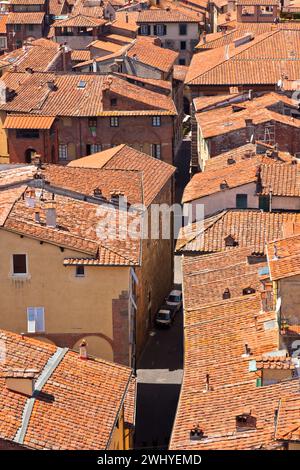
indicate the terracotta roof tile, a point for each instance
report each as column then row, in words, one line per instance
column 25, row 18
column 165, row 16
column 248, row 151
column 234, row 116
column 288, row 420
column 69, row 98
column 284, row 257
column 146, row 52
column 219, row 381
column 247, row 227
column 207, row 277
column 86, row 397
column 155, row 172
column 256, row 62
column 79, row 21
column 28, row 122
column 80, row 56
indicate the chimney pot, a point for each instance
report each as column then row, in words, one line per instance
column 50, row 213
column 83, row 350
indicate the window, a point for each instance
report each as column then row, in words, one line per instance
column 113, row 102
column 19, row 264
column 93, row 148
column 35, row 319
column 79, row 271
column 160, row 30
column 182, row 45
column 156, row 151
column 3, row 43
column 264, row 203
column 156, row 121
column 114, row 121
column 183, row 29
column 145, row 30
column 241, row 201
column 92, row 122
column 181, row 61
column 17, row 27
column 30, row 27
column 63, row 152
column 27, row 134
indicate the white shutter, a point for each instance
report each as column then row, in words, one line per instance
column 31, row 320
column 40, row 319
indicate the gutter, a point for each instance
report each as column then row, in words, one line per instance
column 48, row 370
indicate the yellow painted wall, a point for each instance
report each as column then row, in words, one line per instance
column 71, row 304
column 4, row 158
column 118, row 441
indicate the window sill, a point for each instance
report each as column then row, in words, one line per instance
column 20, row 277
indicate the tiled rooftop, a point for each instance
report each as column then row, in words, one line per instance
column 79, row 21
column 155, row 172
column 223, row 337
column 282, row 179
column 260, row 61
column 25, row 18
column 81, row 398
column 166, row 16
column 82, row 95
column 234, row 116
column 245, row 227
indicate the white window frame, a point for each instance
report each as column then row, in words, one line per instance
column 63, row 149
column 114, row 121
column 35, row 324
column 95, row 148
column 156, row 121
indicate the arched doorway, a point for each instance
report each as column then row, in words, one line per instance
column 29, row 154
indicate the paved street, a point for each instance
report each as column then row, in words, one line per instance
column 160, row 367
column 159, row 378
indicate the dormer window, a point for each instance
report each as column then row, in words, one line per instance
column 230, row 241
column 245, row 422
column 224, row 185
column 248, row 291
column 226, row 294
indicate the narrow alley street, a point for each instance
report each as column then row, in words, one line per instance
column 160, row 367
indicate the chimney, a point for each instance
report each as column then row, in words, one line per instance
column 51, row 85
column 247, row 351
column 207, row 383
column 50, row 207
column 196, row 433
column 30, row 198
column 37, row 216
column 83, row 350
column 245, row 422
column 21, row 380
column 227, row 52
column 226, row 294
column 97, row 193
column 94, row 66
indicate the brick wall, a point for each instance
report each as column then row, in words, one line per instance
column 136, row 131
column 46, row 145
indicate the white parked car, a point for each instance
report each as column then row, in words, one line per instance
column 175, row 299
